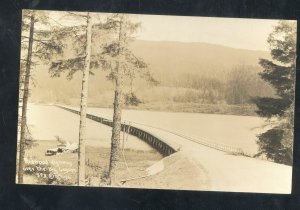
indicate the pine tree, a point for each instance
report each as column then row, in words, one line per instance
column 277, row 142
column 24, row 103
column 122, row 63
column 38, row 48
column 83, row 103
column 80, row 63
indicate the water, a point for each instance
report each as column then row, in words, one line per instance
column 49, row 122
column 46, row 122
column 237, row 131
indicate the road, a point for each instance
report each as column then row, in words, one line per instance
column 225, row 172
column 228, row 172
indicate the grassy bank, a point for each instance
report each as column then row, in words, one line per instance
column 241, row 110
column 61, row 169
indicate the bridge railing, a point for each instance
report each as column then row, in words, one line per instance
column 154, row 141
column 158, row 143
column 218, row 146
column 214, row 145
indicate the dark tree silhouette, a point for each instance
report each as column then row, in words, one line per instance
column 277, row 142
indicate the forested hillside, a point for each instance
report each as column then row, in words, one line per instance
column 188, row 73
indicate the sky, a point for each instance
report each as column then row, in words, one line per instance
column 232, row 32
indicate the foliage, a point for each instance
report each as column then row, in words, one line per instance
column 29, row 141
column 47, row 175
column 243, row 83
column 277, row 142
column 37, row 49
column 60, row 140
column 131, row 99
column 121, row 63
column 271, row 145
column 46, row 43
column 117, row 50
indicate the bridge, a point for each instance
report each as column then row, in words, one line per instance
column 165, row 148
column 226, row 167
column 163, row 145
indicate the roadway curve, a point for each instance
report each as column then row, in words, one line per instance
column 231, row 172
column 226, row 172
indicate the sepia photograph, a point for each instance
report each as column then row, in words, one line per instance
column 156, row 102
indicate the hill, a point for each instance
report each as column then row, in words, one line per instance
column 172, row 64
column 197, row 58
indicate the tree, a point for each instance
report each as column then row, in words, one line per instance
column 80, row 62
column 122, row 63
column 37, row 48
column 243, row 83
column 24, row 103
column 131, row 98
column 83, row 103
column 276, row 143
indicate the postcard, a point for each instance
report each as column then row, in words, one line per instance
column 156, row 102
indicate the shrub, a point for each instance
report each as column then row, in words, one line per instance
column 45, row 173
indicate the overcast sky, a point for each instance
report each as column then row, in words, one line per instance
column 233, row 32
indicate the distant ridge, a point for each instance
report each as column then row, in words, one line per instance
column 177, row 57
column 168, row 61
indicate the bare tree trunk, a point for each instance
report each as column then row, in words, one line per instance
column 116, row 129
column 24, row 104
column 83, row 105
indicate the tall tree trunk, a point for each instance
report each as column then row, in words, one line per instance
column 24, row 104
column 116, row 129
column 83, row 105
